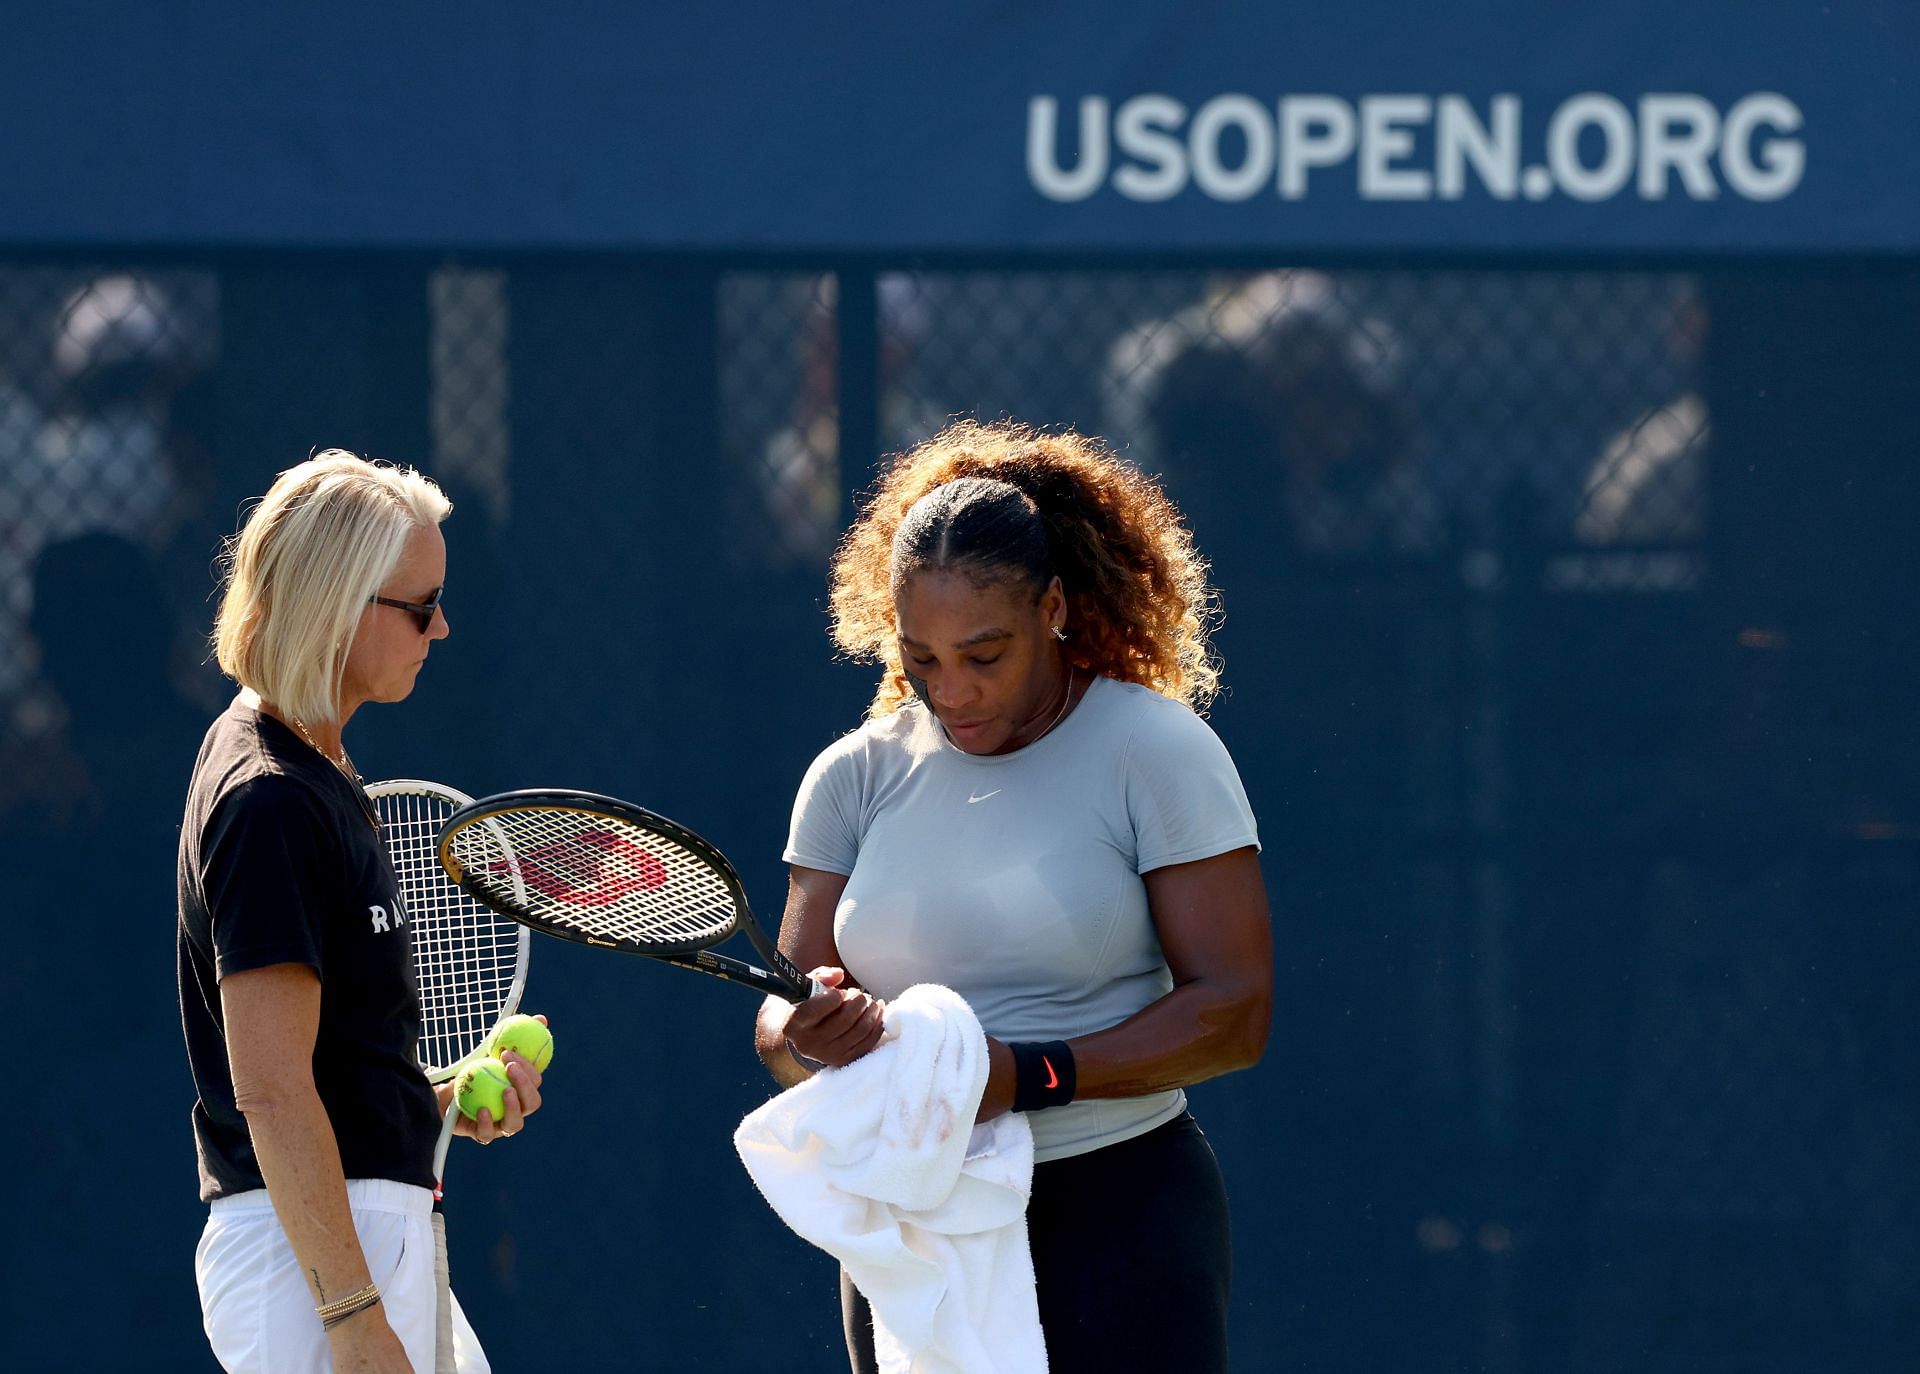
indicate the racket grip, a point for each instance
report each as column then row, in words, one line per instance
column 443, row 1357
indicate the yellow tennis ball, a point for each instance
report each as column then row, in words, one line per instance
column 526, row 1037
column 483, row 1083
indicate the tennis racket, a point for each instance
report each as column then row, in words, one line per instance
column 470, row 966
column 606, row 873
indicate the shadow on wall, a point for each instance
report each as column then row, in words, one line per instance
column 95, row 912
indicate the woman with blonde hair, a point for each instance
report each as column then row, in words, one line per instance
column 315, row 1127
column 1034, row 815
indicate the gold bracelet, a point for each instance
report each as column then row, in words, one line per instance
column 329, row 1309
column 328, row 1323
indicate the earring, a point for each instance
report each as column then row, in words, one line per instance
column 1059, row 634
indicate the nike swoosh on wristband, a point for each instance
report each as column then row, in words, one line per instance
column 1053, row 1079
column 983, row 796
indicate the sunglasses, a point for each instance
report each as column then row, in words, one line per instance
column 423, row 610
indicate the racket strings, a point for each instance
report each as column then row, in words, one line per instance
column 466, row 958
column 596, row 875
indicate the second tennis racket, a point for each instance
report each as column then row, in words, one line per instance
column 606, row 873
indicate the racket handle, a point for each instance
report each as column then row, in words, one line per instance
column 798, row 986
column 440, row 1146
column 443, row 1358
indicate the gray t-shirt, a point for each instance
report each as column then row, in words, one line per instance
column 1015, row 879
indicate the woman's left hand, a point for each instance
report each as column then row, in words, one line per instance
column 521, row 1100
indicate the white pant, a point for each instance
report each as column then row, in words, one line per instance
column 258, row 1309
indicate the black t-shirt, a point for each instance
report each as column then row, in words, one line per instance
column 281, row 861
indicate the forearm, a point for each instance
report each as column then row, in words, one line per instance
column 1200, row 1030
column 272, row 1017
column 300, row 1161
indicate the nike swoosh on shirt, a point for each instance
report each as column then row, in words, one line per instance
column 984, row 795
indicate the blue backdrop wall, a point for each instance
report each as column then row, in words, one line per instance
column 1539, row 381
column 972, row 126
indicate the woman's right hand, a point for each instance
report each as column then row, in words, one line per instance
column 838, row 1024
column 365, row 1344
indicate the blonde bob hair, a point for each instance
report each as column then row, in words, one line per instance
column 325, row 537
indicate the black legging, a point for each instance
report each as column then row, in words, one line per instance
column 1132, row 1259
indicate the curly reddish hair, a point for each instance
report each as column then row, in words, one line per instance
column 1139, row 605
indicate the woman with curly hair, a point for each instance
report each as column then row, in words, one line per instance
column 1034, row 816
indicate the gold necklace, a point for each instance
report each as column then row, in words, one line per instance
column 343, row 763
column 1065, row 701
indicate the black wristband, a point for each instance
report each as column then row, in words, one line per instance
column 1042, row 1075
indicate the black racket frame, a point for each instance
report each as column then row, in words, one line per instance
column 779, row 979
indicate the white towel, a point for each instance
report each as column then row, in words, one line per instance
column 880, row 1165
